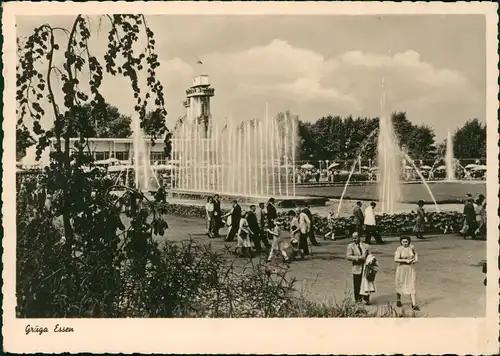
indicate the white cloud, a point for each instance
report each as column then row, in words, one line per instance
column 349, row 81
column 306, row 81
column 409, row 64
column 304, row 90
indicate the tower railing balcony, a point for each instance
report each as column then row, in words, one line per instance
column 200, row 91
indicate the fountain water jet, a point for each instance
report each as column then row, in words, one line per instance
column 388, row 157
column 144, row 172
column 388, row 153
column 450, row 169
column 142, row 166
column 240, row 159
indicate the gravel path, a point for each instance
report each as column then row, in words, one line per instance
column 449, row 275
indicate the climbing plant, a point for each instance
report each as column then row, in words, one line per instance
column 76, row 239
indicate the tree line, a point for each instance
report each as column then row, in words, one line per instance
column 337, row 138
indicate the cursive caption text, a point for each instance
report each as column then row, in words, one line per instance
column 40, row 330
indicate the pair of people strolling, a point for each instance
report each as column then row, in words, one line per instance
column 368, row 221
column 365, row 268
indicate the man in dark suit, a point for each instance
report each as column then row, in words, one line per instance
column 253, row 225
column 259, row 213
column 359, row 218
column 217, row 215
column 271, row 212
column 312, row 231
column 235, row 221
column 470, row 219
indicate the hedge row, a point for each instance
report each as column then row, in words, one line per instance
column 437, row 222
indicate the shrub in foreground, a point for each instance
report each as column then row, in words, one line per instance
column 192, row 280
column 186, row 279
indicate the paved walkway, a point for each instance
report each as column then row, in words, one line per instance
column 449, row 274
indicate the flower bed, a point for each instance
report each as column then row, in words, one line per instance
column 437, row 222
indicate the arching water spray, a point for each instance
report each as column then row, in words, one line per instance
column 450, row 169
column 367, row 141
column 422, row 178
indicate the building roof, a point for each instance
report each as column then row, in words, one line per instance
column 105, row 139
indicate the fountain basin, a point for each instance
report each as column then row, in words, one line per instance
column 281, row 201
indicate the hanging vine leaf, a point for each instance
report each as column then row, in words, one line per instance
column 77, row 269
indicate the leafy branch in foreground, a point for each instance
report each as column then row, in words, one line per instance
column 72, row 243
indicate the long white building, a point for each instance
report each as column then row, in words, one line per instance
column 197, row 103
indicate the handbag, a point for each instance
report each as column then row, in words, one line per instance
column 464, row 228
column 371, row 272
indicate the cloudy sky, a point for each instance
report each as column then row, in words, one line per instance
column 434, row 65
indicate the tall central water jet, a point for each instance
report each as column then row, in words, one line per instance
column 388, row 159
column 450, row 169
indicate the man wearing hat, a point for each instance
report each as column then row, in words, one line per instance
column 271, row 212
column 305, row 230
column 359, row 218
column 259, row 213
column 357, row 252
column 253, row 224
column 470, row 217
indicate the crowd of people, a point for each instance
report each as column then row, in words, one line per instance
column 340, row 173
column 258, row 229
column 474, row 217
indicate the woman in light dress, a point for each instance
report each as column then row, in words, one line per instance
column 406, row 256
column 281, row 244
column 480, row 209
column 331, row 225
column 245, row 243
column 228, row 222
column 209, row 208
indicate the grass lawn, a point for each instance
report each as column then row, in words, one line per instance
column 409, row 192
column 449, row 275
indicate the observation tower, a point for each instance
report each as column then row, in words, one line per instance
column 198, row 96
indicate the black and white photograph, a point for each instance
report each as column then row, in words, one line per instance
column 246, row 164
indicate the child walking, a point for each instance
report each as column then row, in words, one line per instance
column 279, row 243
